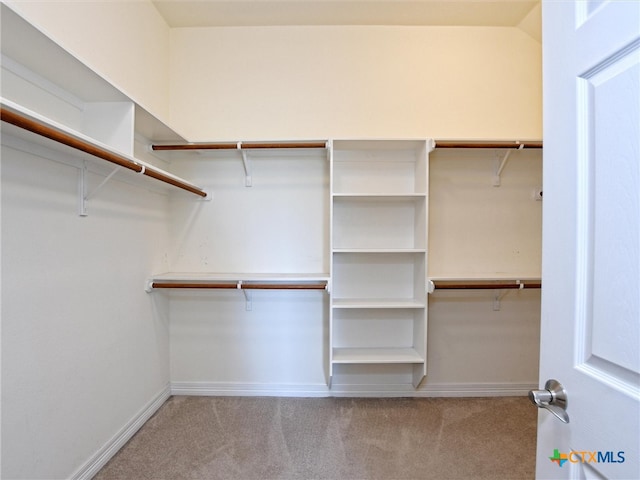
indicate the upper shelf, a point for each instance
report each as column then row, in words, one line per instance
column 51, row 99
column 35, row 128
column 25, row 49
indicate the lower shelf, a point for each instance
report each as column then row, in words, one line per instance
column 376, row 355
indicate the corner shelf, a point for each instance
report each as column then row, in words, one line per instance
column 21, row 123
column 53, row 101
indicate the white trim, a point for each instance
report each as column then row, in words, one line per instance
column 364, row 390
column 109, row 449
column 477, row 390
column 213, row 389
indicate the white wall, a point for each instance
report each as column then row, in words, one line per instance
column 473, row 348
column 351, row 82
column 84, row 348
column 477, row 229
column 278, row 225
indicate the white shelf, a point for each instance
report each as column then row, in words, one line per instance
column 378, row 145
column 235, row 151
column 379, row 303
column 376, row 355
column 244, row 277
column 485, row 277
column 377, row 197
column 238, row 281
column 378, row 250
column 30, row 138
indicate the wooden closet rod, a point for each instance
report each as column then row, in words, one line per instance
column 484, row 286
column 242, row 286
column 241, row 145
column 86, row 147
column 478, row 144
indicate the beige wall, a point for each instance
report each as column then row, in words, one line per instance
column 476, row 229
column 337, row 82
column 253, row 83
column 126, row 42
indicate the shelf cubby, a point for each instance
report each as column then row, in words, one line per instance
column 379, row 277
column 379, row 167
column 392, row 222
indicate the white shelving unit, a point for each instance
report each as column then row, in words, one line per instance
column 379, row 205
column 52, row 100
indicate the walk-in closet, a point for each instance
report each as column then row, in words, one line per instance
column 291, row 211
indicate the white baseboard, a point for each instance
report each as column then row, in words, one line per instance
column 477, row 390
column 102, row 456
column 343, row 390
column 219, row 389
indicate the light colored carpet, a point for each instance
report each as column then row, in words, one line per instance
column 332, row 438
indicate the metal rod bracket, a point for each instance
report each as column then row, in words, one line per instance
column 503, row 163
column 83, row 187
column 247, row 297
column 82, row 190
column 247, row 166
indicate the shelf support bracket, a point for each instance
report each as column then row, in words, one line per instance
column 104, row 182
column 503, row 163
column 83, row 194
column 247, row 166
column 247, row 296
column 498, row 295
column 82, row 190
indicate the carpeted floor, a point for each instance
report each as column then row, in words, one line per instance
column 332, row 438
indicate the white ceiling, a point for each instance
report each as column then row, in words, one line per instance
column 189, row 13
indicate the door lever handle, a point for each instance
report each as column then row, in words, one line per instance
column 552, row 398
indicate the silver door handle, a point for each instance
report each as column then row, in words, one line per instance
column 552, row 398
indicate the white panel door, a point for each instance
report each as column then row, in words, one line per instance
column 590, row 338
